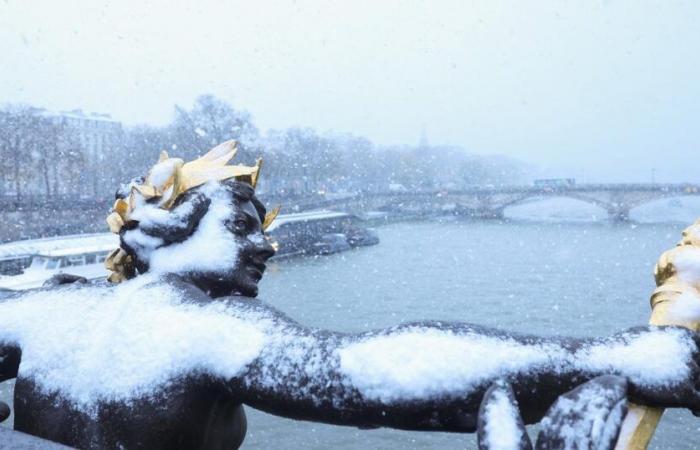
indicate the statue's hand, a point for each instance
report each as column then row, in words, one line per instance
column 63, row 278
column 499, row 425
column 589, row 416
column 662, row 365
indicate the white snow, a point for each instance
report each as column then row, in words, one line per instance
column 693, row 232
column 162, row 171
column 142, row 243
column 119, row 343
column 210, row 248
column 685, row 308
column 501, row 418
column 656, row 358
column 151, row 214
column 687, row 264
column 420, row 363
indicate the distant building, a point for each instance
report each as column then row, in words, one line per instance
column 99, row 135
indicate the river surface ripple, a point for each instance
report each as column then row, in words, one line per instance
column 584, row 279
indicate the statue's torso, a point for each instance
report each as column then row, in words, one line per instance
column 188, row 414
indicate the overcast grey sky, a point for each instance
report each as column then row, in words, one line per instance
column 598, row 90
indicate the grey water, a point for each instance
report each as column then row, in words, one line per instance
column 582, row 279
column 579, row 279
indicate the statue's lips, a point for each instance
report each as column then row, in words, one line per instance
column 256, row 269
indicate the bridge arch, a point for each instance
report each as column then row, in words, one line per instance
column 680, row 207
column 525, row 197
column 593, row 209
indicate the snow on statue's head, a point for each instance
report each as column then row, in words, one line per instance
column 199, row 219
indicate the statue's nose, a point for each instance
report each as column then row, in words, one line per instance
column 265, row 250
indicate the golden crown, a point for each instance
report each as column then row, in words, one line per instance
column 167, row 180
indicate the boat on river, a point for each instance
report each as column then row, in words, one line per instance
column 28, row 264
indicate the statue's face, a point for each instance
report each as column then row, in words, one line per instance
column 224, row 249
column 243, row 277
column 255, row 249
column 247, row 266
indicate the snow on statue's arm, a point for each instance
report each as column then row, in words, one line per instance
column 433, row 375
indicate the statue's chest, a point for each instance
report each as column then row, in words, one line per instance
column 182, row 415
column 91, row 345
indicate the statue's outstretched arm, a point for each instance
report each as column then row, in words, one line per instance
column 432, row 375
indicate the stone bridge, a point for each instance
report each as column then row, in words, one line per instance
column 616, row 199
column 38, row 216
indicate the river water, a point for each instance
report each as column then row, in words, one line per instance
column 580, row 279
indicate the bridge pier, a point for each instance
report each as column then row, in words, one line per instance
column 619, row 214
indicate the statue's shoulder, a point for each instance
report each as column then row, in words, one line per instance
column 181, row 287
column 256, row 308
column 247, row 304
column 190, row 293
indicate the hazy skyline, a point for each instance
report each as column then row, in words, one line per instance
column 595, row 90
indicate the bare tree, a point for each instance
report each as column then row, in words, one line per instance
column 210, row 122
column 297, row 160
column 18, row 142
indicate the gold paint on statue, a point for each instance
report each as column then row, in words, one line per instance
column 115, row 222
column 121, row 264
column 270, row 217
column 641, row 421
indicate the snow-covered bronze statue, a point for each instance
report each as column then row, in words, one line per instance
column 165, row 356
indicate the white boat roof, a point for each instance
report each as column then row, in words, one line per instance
column 60, row 245
column 283, row 219
column 80, row 250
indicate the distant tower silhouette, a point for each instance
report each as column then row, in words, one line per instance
column 423, row 142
